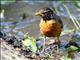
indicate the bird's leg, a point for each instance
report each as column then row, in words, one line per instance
column 58, row 44
column 44, row 44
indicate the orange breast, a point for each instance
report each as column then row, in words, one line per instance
column 50, row 28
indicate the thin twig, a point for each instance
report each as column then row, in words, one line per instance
column 71, row 16
column 76, row 21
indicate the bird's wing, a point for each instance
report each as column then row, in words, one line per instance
column 58, row 19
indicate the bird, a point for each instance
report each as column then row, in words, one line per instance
column 50, row 24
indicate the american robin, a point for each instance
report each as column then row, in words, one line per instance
column 50, row 24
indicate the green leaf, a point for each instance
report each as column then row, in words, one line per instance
column 72, row 48
column 25, row 36
column 65, row 58
column 79, row 49
column 33, row 45
column 29, row 43
column 26, row 43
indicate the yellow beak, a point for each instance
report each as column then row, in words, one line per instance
column 38, row 14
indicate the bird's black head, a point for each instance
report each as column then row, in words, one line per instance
column 45, row 13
